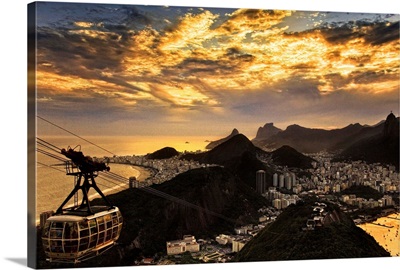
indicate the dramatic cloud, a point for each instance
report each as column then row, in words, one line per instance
column 208, row 66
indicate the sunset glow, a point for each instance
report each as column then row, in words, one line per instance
column 248, row 64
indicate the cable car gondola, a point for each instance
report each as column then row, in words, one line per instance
column 83, row 231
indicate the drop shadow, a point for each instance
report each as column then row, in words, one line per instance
column 20, row 261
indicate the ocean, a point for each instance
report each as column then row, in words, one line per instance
column 53, row 185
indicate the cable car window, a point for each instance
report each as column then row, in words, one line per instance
column 71, row 230
column 101, row 238
column 56, row 230
column 55, row 246
column 107, row 220
column 108, row 235
column 83, row 244
column 71, row 246
column 114, row 232
column 93, row 241
column 83, row 225
column 114, row 220
column 83, row 229
column 93, row 226
column 57, row 225
column 100, row 221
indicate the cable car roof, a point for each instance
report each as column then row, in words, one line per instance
column 82, row 214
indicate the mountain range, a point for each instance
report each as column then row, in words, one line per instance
column 312, row 140
column 377, row 143
column 382, row 147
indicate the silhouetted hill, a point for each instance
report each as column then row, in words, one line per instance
column 153, row 220
column 365, row 132
column 288, row 156
column 232, row 148
column 166, row 152
column 238, row 155
column 309, row 140
column 266, row 131
column 362, row 191
column 383, row 147
column 214, row 144
column 285, row 239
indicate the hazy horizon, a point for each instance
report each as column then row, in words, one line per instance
column 218, row 134
column 192, row 71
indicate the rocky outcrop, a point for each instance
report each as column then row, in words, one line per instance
column 391, row 127
column 267, row 131
column 214, row 144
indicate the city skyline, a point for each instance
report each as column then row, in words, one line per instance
column 145, row 70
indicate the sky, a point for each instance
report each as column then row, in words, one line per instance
column 170, row 70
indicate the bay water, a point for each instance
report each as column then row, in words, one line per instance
column 53, row 185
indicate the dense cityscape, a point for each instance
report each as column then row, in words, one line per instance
column 326, row 180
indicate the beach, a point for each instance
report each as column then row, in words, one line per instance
column 385, row 230
column 142, row 174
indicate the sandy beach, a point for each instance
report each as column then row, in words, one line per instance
column 143, row 173
column 388, row 234
column 140, row 173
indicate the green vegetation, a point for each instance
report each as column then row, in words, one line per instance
column 285, row 240
column 372, row 212
column 184, row 258
column 361, row 191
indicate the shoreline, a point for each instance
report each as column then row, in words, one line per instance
column 386, row 231
column 141, row 175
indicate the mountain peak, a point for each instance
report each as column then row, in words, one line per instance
column 294, row 126
column 390, row 116
column 267, row 131
column 288, row 156
column 391, row 126
column 234, row 132
column 214, row 144
column 229, row 149
column 268, row 125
